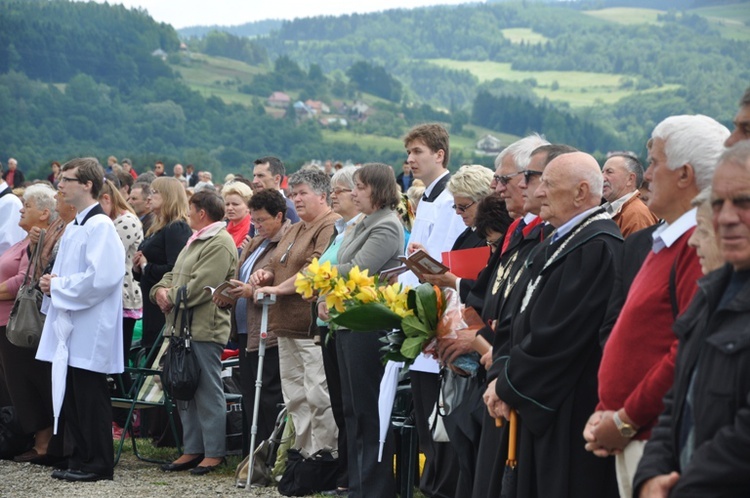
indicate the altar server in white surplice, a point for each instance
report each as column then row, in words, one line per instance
column 436, row 227
column 82, row 335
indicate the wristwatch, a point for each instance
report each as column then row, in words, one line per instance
column 626, row 430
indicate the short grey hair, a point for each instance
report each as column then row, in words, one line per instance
column 317, row 180
column 471, row 181
column 738, row 154
column 344, row 177
column 702, row 198
column 43, row 197
column 521, row 151
column 692, row 139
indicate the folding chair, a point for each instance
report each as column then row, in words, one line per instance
column 146, row 392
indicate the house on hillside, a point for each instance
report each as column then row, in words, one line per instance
column 160, row 54
column 489, row 145
column 303, row 111
column 318, row 106
column 333, row 121
column 279, row 99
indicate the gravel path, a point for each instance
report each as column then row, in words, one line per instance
column 133, row 478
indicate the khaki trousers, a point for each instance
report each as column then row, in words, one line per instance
column 305, row 390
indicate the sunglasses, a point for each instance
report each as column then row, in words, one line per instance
column 527, row 174
column 505, row 179
column 462, row 209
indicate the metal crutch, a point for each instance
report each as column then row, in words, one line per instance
column 266, row 300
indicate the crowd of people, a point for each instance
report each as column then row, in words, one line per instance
column 613, row 305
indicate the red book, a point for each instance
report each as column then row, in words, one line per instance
column 467, row 263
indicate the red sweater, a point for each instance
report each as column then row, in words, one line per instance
column 637, row 367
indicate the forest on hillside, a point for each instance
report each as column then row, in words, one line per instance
column 83, row 78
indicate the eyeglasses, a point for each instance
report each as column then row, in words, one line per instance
column 505, row 179
column 67, row 179
column 462, row 209
column 339, row 191
column 528, row 173
column 259, row 221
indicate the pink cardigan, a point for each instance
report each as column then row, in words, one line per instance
column 13, row 266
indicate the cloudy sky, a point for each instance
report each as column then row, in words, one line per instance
column 182, row 13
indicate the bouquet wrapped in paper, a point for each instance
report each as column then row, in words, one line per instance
column 361, row 302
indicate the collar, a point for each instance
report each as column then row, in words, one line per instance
column 342, row 225
column 435, row 185
column 529, row 217
column 572, row 223
column 84, row 215
column 206, row 232
column 668, row 233
column 615, row 206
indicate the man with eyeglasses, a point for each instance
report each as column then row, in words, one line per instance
column 637, row 367
column 82, row 336
column 623, row 176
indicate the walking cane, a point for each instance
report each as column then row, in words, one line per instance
column 266, row 300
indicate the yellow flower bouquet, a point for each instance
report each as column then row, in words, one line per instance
column 361, row 302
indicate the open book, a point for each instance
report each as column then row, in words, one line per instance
column 420, row 263
column 223, row 290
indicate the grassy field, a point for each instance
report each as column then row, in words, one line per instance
column 626, row 15
column 577, row 88
column 732, row 21
column 518, row 35
column 218, row 76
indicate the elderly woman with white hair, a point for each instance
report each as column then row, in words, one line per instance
column 28, row 380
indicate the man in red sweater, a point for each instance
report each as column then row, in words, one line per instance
column 637, row 366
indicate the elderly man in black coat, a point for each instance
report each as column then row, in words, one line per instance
column 549, row 374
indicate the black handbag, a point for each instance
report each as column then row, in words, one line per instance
column 306, row 476
column 181, row 370
column 26, row 321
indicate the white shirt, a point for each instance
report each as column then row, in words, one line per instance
column 90, row 269
column 668, row 233
column 10, row 215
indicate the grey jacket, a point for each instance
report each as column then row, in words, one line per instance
column 374, row 244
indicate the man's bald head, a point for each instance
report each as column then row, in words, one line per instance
column 571, row 184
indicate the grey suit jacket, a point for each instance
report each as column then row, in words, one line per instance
column 375, row 243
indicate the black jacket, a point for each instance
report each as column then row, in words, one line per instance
column 718, row 340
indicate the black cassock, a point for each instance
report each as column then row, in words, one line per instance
column 550, row 372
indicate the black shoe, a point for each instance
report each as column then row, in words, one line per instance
column 200, row 471
column 336, row 492
column 59, row 473
column 176, row 467
column 82, row 476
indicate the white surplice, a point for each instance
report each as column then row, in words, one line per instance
column 436, row 226
column 90, row 268
column 10, row 215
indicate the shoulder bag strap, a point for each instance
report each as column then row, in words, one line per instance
column 34, row 261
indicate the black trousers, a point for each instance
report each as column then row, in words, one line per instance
column 88, row 416
column 361, row 371
column 332, row 368
column 270, row 395
column 440, row 473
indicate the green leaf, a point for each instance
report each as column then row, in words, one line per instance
column 368, row 317
column 412, row 347
column 414, row 327
column 427, row 306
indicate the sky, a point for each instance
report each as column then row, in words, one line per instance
column 184, row 13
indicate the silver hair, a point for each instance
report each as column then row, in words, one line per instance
column 43, row 197
column 521, row 151
column 696, row 140
column 702, row 198
column 318, row 181
column 344, row 177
